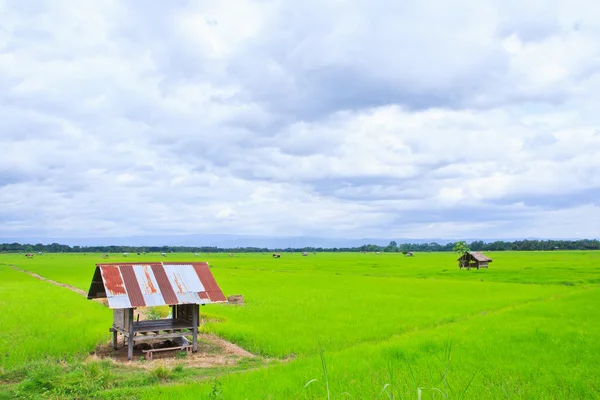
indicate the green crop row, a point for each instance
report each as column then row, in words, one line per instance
column 343, row 325
column 540, row 350
column 39, row 320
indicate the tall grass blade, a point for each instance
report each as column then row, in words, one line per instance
column 384, row 389
column 324, row 365
column 464, row 392
column 310, row 382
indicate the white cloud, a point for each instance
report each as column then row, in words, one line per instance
column 320, row 118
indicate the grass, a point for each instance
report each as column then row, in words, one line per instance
column 290, row 313
column 354, row 325
column 39, row 320
column 556, row 267
column 93, row 379
column 540, row 350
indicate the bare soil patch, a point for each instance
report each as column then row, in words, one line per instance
column 212, row 352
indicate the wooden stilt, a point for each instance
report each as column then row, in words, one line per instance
column 130, row 336
column 114, row 332
column 195, row 312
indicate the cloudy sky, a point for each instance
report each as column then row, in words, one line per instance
column 332, row 118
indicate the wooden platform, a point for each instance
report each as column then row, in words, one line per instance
column 184, row 323
column 156, row 329
column 161, row 325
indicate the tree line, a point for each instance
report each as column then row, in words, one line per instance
column 518, row 245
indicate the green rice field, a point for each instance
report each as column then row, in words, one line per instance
column 326, row 326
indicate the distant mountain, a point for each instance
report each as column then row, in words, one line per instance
column 232, row 241
column 225, row 241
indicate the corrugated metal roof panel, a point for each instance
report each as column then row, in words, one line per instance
column 216, row 297
column 164, row 285
column 151, row 284
column 183, row 278
column 132, row 285
column 212, row 289
column 205, row 276
column 148, row 285
column 114, row 287
column 113, row 281
column 190, row 298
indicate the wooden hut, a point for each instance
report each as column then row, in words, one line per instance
column 473, row 259
column 181, row 285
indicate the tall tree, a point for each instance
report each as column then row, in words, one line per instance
column 461, row 247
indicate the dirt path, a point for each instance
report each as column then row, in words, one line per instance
column 64, row 285
column 228, row 347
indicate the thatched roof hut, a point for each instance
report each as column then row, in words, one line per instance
column 473, row 259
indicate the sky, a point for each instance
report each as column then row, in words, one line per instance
column 329, row 118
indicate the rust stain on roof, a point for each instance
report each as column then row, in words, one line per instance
column 112, row 280
column 150, row 287
column 178, row 284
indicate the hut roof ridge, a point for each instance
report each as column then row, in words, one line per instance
column 479, row 256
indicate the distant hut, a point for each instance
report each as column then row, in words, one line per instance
column 473, row 259
column 181, row 285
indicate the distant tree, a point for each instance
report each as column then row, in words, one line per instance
column 404, row 248
column 392, row 247
column 477, row 245
column 461, row 247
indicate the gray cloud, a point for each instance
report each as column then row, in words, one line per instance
column 317, row 118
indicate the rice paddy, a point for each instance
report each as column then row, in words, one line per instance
column 333, row 325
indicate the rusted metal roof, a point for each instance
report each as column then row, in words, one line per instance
column 128, row 285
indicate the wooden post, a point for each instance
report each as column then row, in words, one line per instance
column 173, row 313
column 195, row 312
column 114, row 332
column 130, row 339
